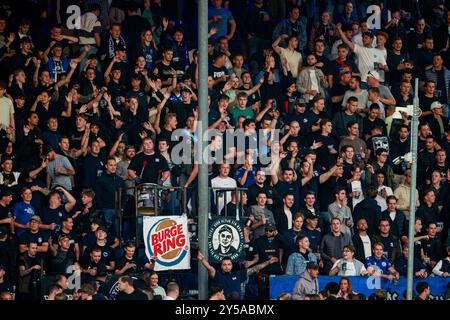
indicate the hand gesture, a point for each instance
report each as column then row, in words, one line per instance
column 87, row 47
column 143, row 135
column 200, row 256
column 316, row 145
column 339, row 26
column 73, row 63
column 165, row 23
column 37, row 267
column 11, row 37
column 213, row 31
column 284, row 36
column 44, row 163
column 26, row 130
column 167, row 95
column 264, row 219
column 261, row 80
column 107, row 97
column 273, row 260
column 151, row 84
column 59, row 37
column 148, row 126
column 83, row 108
column 116, row 58
column 227, row 86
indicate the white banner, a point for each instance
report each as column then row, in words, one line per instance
column 167, row 241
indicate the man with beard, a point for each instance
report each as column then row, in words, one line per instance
column 260, row 185
column 283, row 215
column 228, row 279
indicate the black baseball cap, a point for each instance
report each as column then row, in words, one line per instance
column 46, row 149
column 311, row 215
column 312, row 265
column 5, row 192
column 102, row 228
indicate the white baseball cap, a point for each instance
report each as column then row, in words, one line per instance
column 373, row 74
column 435, row 105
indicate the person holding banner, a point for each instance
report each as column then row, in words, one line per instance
column 230, row 280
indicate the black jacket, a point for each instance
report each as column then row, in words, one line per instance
column 435, row 128
column 359, row 247
column 371, row 211
column 281, row 220
column 105, row 190
column 399, row 227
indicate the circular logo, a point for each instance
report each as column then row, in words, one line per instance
column 226, row 239
column 167, row 242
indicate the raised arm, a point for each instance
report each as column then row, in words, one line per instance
column 275, row 44
column 211, row 270
column 344, row 38
column 261, row 266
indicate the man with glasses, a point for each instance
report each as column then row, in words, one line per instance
column 380, row 164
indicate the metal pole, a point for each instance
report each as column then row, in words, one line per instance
column 203, row 126
column 412, row 198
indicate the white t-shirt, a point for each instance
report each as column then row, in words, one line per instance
column 219, row 182
column 288, row 214
column 89, row 25
column 6, row 109
column 367, row 57
column 367, row 246
column 381, row 72
column 314, row 82
column 350, row 269
column 393, row 215
column 294, row 59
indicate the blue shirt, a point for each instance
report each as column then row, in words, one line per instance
column 231, row 281
column 222, row 25
column 250, row 176
column 23, row 213
column 381, row 265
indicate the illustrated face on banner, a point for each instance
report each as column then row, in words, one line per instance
column 225, row 239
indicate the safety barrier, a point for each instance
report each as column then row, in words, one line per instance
column 150, row 199
column 364, row 285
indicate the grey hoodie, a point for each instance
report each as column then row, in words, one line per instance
column 305, row 285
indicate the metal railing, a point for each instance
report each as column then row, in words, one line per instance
column 150, row 199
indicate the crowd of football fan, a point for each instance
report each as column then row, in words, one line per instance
column 89, row 110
